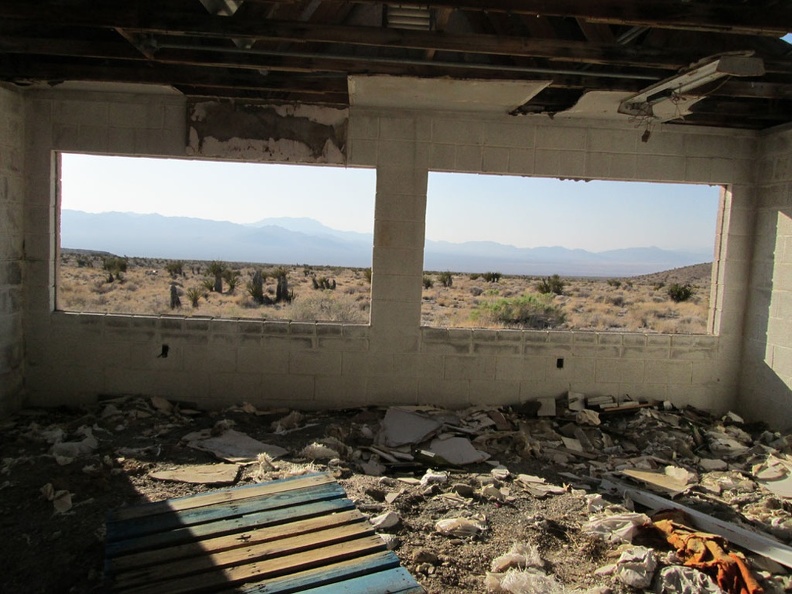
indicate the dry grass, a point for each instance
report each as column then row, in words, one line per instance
column 640, row 304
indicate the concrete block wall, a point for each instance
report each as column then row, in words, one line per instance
column 12, row 136
column 75, row 357
column 766, row 390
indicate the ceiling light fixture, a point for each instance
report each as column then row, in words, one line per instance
column 680, row 89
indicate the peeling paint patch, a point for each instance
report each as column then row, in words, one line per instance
column 283, row 134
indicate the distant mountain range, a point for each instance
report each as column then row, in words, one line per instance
column 306, row 241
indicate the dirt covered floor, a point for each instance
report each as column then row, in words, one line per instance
column 538, row 486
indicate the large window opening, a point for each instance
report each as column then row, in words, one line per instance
column 534, row 253
column 217, row 239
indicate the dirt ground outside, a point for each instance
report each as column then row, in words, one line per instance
column 543, row 486
column 480, row 300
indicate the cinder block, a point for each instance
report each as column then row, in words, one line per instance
column 495, row 160
column 315, row 363
column 494, row 393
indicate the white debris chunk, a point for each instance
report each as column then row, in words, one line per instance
column 617, row 527
column 678, row 579
column 384, row 521
column 431, row 477
column 461, row 527
column 636, row 567
column 61, row 499
column 457, row 451
column 401, row 427
column 318, row 451
column 519, row 556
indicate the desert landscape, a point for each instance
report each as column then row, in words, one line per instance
column 674, row 301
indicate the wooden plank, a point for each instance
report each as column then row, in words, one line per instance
column 232, row 541
column 226, row 496
column 210, row 582
column 117, row 544
column 213, row 513
column 753, row 541
column 327, row 574
column 393, row 581
column 211, row 561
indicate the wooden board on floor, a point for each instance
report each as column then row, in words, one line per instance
column 293, row 535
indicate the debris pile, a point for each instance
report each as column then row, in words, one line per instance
column 572, row 494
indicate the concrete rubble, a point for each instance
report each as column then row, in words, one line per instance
column 594, row 453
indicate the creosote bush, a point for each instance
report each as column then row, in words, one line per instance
column 428, row 283
column 492, row 277
column 526, row 311
column 551, row 284
column 446, row 279
column 678, row 293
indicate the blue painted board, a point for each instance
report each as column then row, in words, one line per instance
column 328, row 574
column 221, row 511
column 116, row 546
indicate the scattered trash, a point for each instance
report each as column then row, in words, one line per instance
column 678, row 579
column 318, row 451
column 617, row 527
column 61, row 499
column 461, row 527
column 457, row 451
column 636, row 567
column 520, row 556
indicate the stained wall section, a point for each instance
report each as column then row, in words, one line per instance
column 12, row 135
column 75, row 357
column 767, row 363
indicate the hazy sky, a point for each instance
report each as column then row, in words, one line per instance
column 525, row 212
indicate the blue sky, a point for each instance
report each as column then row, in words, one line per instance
column 525, row 212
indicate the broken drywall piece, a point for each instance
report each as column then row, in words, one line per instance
column 617, row 527
column 401, row 427
column 233, row 446
column 384, row 521
column 61, row 499
column 685, row 580
column 547, row 407
column 674, row 480
column 200, row 474
column 775, row 475
column 457, row 451
column 66, row 451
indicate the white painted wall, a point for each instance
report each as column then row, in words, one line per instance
column 766, row 390
column 12, row 134
column 74, row 357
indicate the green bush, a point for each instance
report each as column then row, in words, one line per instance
column 428, row 283
column 367, row 274
column 175, row 268
column 527, row 311
column 492, row 277
column 679, row 293
column 194, row 295
column 613, row 282
column 446, row 279
column 551, row 284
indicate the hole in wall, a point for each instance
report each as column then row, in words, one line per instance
column 538, row 253
column 218, row 239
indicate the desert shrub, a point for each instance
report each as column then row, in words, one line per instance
column 613, row 282
column 367, row 274
column 115, row 266
column 678, row 293
column 658, row 286
column 328, row 307
column 428, row 283
column 323, row 283
column 231, row 277
column 492, row 277
column 84, row 262
column 476, row 291
column 194, row 295
column 551, row 284
column 446, row 279
column 175, row 268
column 474, row 276
column 617, row 300
column 527, row 311
column 208, row 284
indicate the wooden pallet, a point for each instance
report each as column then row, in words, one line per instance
column 293, row 535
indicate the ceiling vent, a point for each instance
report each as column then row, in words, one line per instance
column 408, row 16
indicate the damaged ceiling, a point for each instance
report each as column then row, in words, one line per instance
column 610, row 58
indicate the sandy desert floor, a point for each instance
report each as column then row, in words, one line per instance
column 638, row 304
